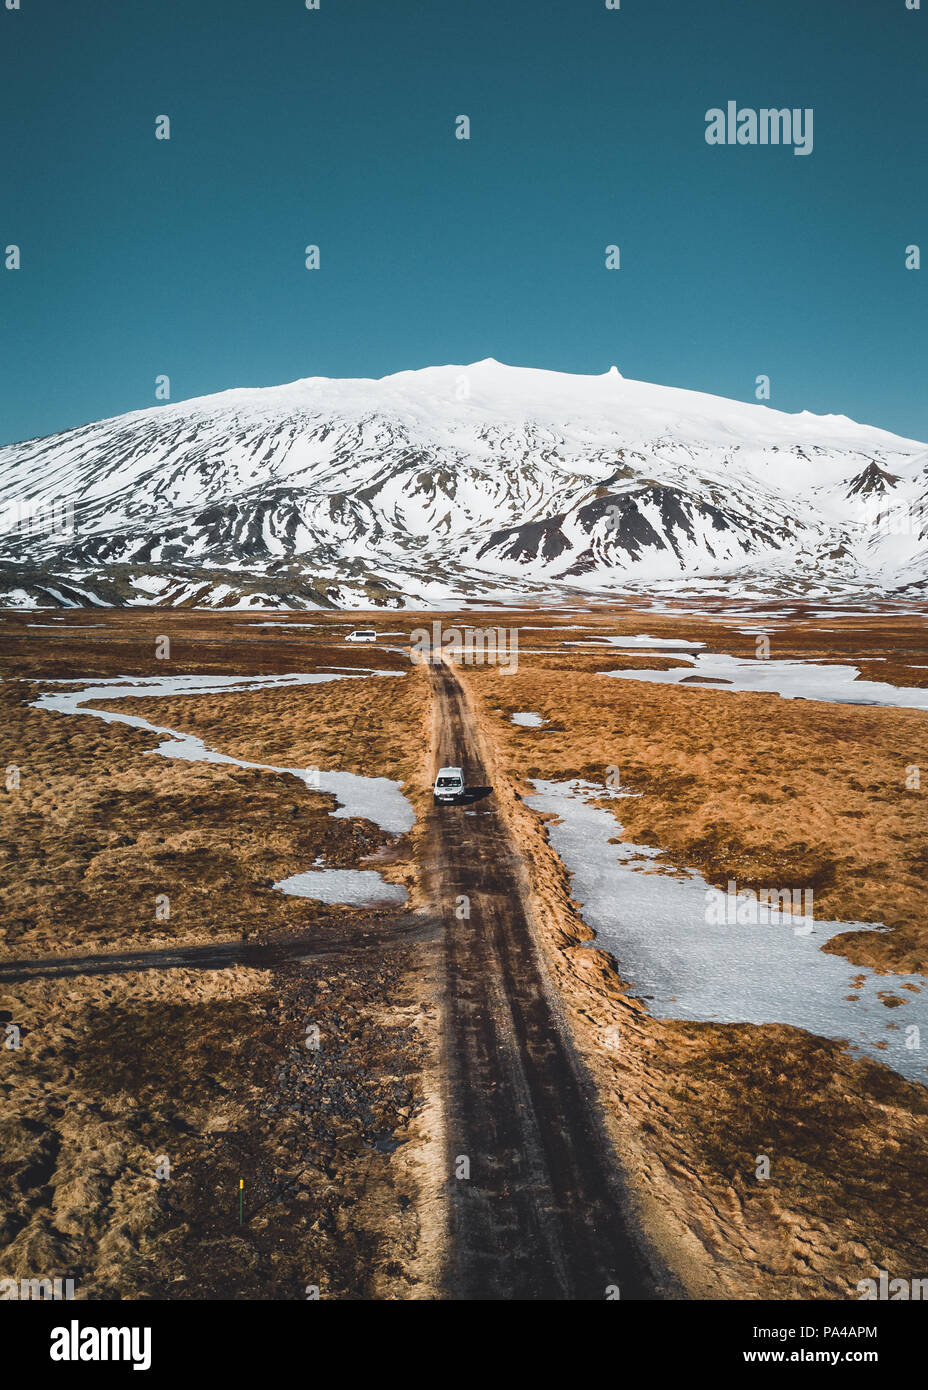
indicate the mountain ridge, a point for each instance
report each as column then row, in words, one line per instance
column 457, row 483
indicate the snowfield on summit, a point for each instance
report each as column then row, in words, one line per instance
column 438, row 486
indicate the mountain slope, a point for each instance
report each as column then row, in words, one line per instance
column 455, row 483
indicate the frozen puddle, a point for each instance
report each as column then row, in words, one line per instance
column 357, row 887
column 526, row 720
column 377, row 799
column 654, row 924
column 793, row 680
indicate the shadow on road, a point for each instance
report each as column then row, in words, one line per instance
column 468, row 797
column 336, row 939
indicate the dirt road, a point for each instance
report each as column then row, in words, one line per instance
column 536, row 1206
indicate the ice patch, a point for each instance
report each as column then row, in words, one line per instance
column 377, row 799
column 527, row 720
column 652, row 919
column 356, row 887
column 793, row 680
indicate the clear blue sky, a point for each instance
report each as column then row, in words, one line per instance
column 336, row 127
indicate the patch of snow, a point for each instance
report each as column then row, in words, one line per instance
column 793, row 680
column 150, row 583
column 376, row 799
column 677, row 643
column 356, row 887
column 653, row 921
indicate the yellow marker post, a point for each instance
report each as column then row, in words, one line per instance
column 241, row 1198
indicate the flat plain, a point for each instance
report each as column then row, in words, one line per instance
column 144, row 1093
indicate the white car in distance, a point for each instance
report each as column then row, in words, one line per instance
column 362, row 634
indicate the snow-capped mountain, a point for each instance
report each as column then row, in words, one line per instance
column 456, row 483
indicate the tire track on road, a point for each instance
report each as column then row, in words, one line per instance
column 541, row 1214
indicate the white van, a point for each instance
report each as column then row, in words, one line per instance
column 449, row 784
column 362, row 634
